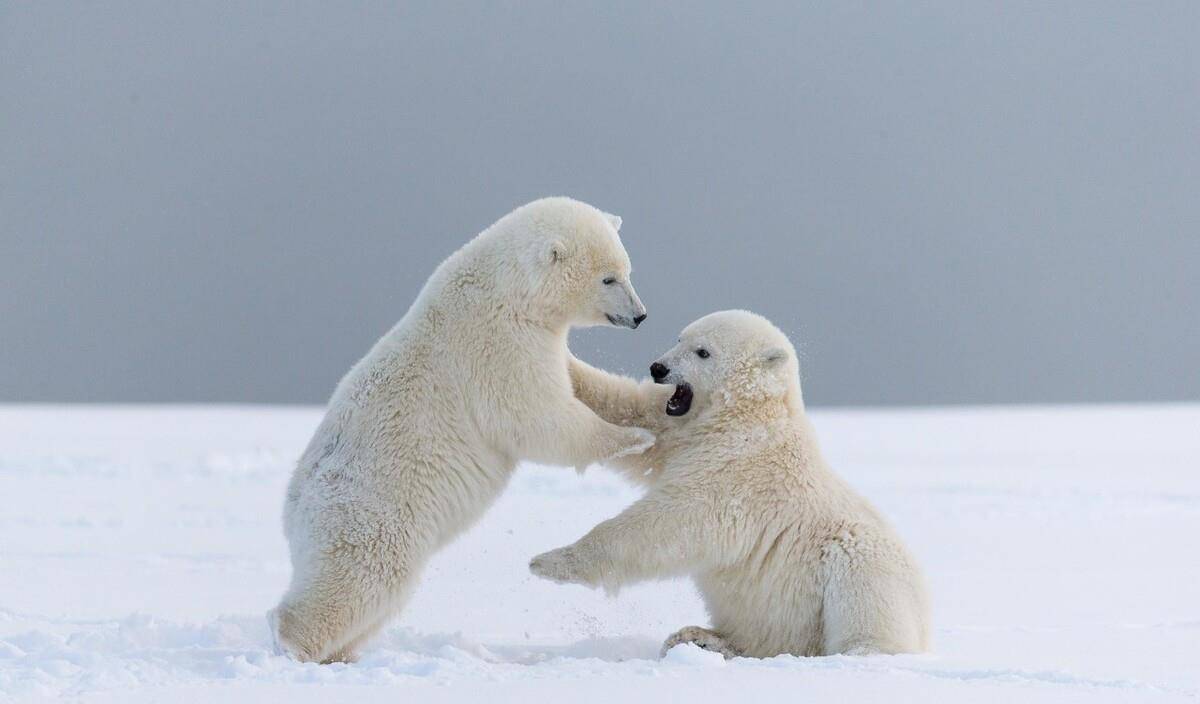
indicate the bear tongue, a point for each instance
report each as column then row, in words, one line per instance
column 681, row 401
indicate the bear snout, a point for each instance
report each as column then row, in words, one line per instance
column 659, row 371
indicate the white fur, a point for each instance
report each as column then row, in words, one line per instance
column 423, row 433
column 788, row 558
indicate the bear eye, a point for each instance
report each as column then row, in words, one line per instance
column 702, row 353
column 609, row 281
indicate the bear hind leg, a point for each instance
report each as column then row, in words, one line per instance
column 869, row 609
column 350, row 652
column 328, row 620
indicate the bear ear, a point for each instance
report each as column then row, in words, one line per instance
column 556, row 251
column 773, row 356
column 614, row 220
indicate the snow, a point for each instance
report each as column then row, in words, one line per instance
column 140, row 547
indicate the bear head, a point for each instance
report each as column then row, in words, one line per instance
column 730, row 358
column 574, row 268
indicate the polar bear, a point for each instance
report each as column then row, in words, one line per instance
column 423, row 433
column 788, row 558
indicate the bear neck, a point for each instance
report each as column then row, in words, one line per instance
column 752, row 403
column 755, row 425
column 741, row 411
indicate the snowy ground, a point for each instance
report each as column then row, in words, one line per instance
column 139, row 548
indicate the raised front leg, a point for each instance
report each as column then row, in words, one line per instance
column 619, row 399
column 577, row 437
column 653, row 538
column 623, row 401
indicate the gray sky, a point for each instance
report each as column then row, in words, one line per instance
column 940, row 202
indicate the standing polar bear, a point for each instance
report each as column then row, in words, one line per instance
column 788, row 558
column 424, row 432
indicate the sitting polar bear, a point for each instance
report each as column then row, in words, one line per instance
column 423, row 433
column 788, row 558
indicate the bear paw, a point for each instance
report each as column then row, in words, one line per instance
column 638, row 441
column 561, row 565
column 700, row 636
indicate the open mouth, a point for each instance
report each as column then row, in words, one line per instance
column 681, row 401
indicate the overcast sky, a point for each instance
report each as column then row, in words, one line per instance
column 939, row 202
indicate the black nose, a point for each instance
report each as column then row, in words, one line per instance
column 658, row 370
column 637, row 319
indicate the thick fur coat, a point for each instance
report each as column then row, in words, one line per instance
column 424, row 432
column 788, row 558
